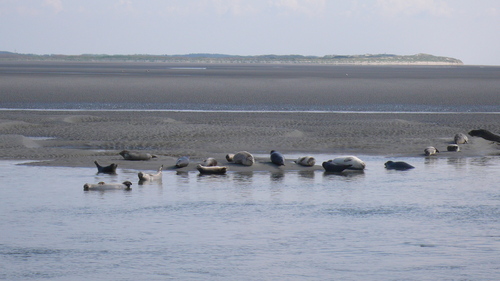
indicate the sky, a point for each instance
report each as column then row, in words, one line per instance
column 463, row 29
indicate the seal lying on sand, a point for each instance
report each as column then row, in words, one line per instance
column 330, row 166
column 398, row 165
column 307, row 161
column 355, row 162
column 209, row 162
column 110, row 169
column 487, row 135
column 151, row 177
column 229, row 157
column 277, row 158
column 460, row 138
column 182, row 161
column 431, row 150
column 136, row 156
column 211, row 169
column 244, row 158
column 453, row 147
column 107, row 186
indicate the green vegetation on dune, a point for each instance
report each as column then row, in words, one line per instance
column 368, row 59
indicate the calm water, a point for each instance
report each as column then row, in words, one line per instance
column 440, row 221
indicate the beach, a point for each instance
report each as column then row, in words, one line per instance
column 77, row 138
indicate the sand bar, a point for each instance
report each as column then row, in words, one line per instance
column 77, row 138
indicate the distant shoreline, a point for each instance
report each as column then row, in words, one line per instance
column 367, row 59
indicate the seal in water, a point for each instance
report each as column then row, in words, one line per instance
column 398, row 165
column 211, row 169
column 151, row 177
column 460, row 138
column 277, row 158
column 330, row 166
column 431, row 150
column 110, row 169
column 182, row 162
column 244, row 158
column 107, row 186
column 355, row 162
column 487, row 135
column 209, row 162
column 136, row 156
column 453, row 147
column 307, row 161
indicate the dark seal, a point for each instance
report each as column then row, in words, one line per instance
column 487, row 135
column 277, row 158
column 398, row 165
column 110, row 169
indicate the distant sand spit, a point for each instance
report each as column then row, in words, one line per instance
column 78, row 138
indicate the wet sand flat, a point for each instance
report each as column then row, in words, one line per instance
column 78, row 138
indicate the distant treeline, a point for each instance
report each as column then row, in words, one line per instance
column 368, row 59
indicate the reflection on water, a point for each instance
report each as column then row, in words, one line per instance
column 437, row 221
column 277, row 176
column 307, row 174
column 243, row 177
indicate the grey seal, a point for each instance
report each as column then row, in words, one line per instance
column 209, row 162
column 136, row 156
column 110, row 169
column 151, row 177
column 229, row 157
column 355, row 162
column 107, row 186
column 460, row 138
column 453, row 147
column 182, row 162
column 431, row 150
column 485, row 134
column 211, row 169
column 307, row 161
column 398, row 165
column 244, row 158
column 277, row 158
column 330, row 166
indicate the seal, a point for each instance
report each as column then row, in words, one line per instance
column 487, row 135
column 211, row 169
column 136, row 156
column 307, row 161
column 398, row 165
column 332, row 167
column 277, row 158
column 229, row 157
column 460, row 138
column 431, row 150
column 110, row 169
column 453, row 147
column 101, row 186
column 182, row 162
column 151, row 177
column 209, row 162
column 244, row 158
column 355, row 162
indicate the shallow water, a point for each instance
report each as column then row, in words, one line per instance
column 439, row 221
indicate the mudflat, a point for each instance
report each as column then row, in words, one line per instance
column 77, row 138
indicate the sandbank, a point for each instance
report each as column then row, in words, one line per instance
column 77, row 138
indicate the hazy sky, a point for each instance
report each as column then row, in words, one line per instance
column 464, row 29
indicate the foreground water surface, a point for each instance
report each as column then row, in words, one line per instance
column 439, row 221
